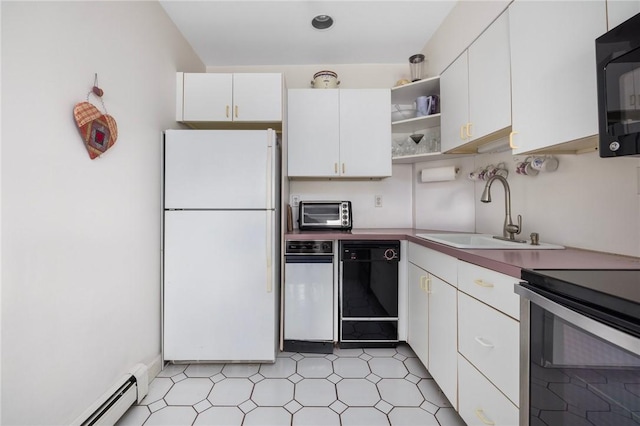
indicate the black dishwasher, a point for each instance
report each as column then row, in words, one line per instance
column 369, row 293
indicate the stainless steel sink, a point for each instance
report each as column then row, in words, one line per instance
column 483, row 241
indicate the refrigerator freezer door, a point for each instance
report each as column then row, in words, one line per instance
column 220, row 297
column 220, row 169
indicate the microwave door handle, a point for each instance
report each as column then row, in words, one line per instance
column 617, row 337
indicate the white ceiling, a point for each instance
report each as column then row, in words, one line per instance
column 242, row 32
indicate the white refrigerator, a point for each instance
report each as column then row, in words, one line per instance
column 221, row 245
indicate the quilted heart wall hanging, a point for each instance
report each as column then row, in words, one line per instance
column 98, row 130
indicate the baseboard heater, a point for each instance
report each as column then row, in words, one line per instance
column 116, row 401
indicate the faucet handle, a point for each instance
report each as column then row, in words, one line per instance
column 519, row 224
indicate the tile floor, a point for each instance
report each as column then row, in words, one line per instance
column 369, row 387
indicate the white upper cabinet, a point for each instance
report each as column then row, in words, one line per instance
column 619, row 11
column 553, row 73
column 339, row 133
column 454, row 86
column 476, row 92
column 221, row 97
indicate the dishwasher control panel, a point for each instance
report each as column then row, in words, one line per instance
column 309, row 247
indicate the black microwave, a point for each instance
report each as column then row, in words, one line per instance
column 618, row 73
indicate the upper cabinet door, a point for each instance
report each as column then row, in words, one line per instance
column 257, row 97
column 365, row 133
column 313, row 133
column 553, row 71
column 490, row 80
column 619, row 11
column 454, row 88
column 207, row 97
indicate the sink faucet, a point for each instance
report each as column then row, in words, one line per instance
column 509, row 230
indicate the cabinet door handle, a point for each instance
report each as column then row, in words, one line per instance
column 511, row 145
column 462, row 132
column 227, row 111
column 483, row 283
column 632, row 100
column 335, row 168
column 483, row 342
column 469, row 129
column 236, row 111
column 483, row 418
column 343, row 169
column 425, row 283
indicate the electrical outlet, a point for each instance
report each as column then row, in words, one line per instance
column 378, row 201
column 295, row 200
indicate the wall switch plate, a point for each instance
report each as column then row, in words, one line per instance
column 378, row 201
column 295, row 200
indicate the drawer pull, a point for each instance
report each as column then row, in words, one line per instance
column 483, row 342
column 483, row 418
column 483, row 283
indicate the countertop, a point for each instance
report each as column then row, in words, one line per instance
column 508, row 262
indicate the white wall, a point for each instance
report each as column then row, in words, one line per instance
column 81, row 237
column 589, row 202
column 351, row 76
column 395, row 191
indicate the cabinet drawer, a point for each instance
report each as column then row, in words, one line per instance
column 493, row 288
column 439, row 264
column 490, row 341
column 481, row 403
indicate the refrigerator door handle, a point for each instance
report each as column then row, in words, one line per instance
column 270, row 177
column 269, row 254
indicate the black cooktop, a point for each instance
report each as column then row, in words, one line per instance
column 614, row 291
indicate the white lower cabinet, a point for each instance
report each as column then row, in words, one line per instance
column 463, row 325
column 433, row 322
column 489, row 340
column 480, row 402
column 418, row 313
column 443, row 333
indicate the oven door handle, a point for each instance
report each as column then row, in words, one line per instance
column 617, row 337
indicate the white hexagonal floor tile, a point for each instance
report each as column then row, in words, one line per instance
column 267, row 416
column 172, row 416
column 135, row 416
column 432, row 393
column 272, row 392
column 240, row 370
column 189, row 391
column 363, row 416
column 316, row 416
column 172, row 370
column 358, row 392
column 311, row 368
column 282, row 368
column 231, row 392
column 388, row 368
column 158, row 388
column 348, row 353
column 449, row 417
column 203, row 370
column 406, row 416
column 415, row 367
column 220, row 416
column 406, row 350
column 351, row 368
column 382, row 352
column 400, row 393
column 315, row 392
